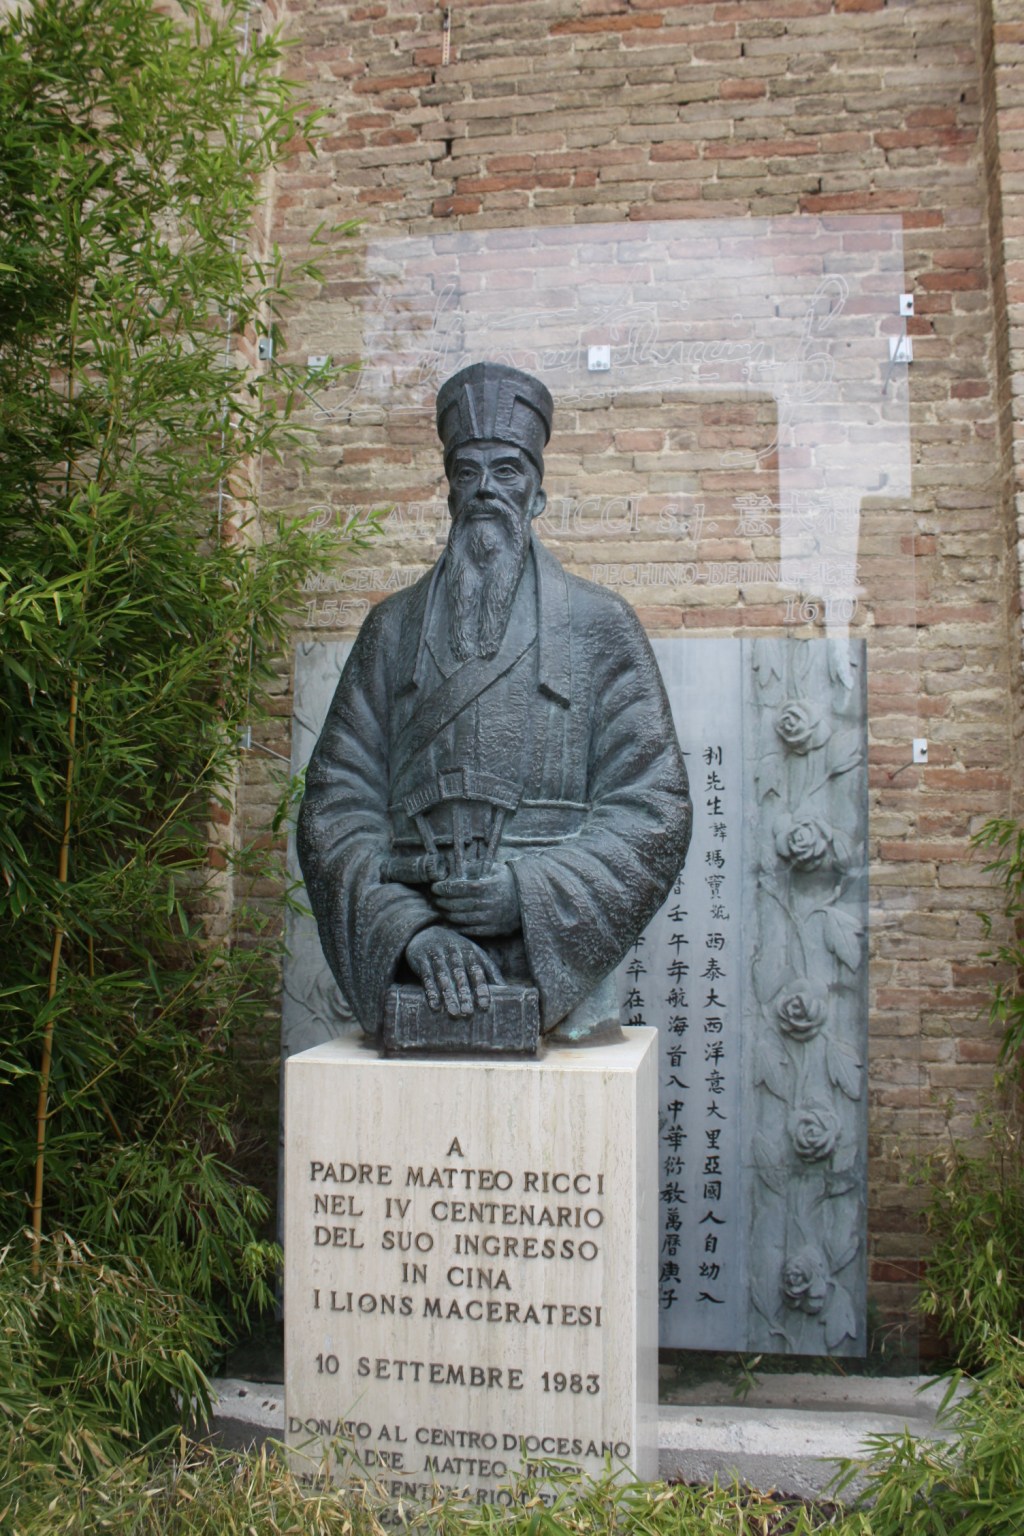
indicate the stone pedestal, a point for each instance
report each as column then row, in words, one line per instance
column 470, row 1251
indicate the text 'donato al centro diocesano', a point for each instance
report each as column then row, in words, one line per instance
column 467, row 1261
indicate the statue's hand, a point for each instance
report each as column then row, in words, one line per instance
column 452, row 969
column 483, row 906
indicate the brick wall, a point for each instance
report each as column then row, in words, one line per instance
column 568, row 112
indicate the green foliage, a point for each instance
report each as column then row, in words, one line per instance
column 203, row 1493
column 93, row 1356
column 142, row 600
column 971, row 1485
column 1006, row 839
column 974, row 1284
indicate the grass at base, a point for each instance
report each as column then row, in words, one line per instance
column 201, row 1491
column 972, row 1485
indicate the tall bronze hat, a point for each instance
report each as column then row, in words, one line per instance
column 490, row 402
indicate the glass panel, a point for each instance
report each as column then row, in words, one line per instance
column 730, row 453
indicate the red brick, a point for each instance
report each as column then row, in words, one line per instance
column 500, row 163
column 665, row 617
column 896, row 1272
column 639, row 440
column 379, row 195
column 765, row 149
column 376, row 84
column 747, row 89
column 931, row 117
column 493, row 183
column 607, row 24
column 978, row 1050
column 920, row 852
column 970, row 389
column 871, row 200
column 952, row 282
column 446, row 207
column 675, row 150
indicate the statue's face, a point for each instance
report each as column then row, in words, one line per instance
column 489, row 480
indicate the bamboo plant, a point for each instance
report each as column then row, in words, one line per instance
column 143, row 597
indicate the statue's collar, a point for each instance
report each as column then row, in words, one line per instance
column 554, row 660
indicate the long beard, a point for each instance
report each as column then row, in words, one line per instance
column 484, row 563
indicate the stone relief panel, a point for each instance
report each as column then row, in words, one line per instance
column 805, row 1095
column 754, row 972
column 312, row 1008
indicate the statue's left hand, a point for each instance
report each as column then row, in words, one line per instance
column 482, row 907
column 454, row 972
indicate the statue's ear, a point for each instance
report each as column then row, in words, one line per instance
column 538, row 503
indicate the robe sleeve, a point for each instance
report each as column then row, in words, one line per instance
column 343, row 833
column 585, row 900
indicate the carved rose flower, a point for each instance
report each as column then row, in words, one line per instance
column 801, row 1009
column 814, row 1131
column 806, row 1280
column 800, row 726
column 804, row 841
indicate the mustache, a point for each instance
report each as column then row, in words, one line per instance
column 481, row 522
column 490, row 504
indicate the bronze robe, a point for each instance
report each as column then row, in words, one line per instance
column 573, row 710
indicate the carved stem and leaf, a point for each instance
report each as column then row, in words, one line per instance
column 808, row 994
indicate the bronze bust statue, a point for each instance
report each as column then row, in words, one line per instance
column 497, row 804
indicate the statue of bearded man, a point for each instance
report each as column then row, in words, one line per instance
column 498, row 796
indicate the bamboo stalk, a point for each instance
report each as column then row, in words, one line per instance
column 42, row 1103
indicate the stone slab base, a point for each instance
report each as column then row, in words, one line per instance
column 791, row 1442
column 470, row 1263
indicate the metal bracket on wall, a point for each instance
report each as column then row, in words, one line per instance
column 918, row 757
column 247, row 744
column 901, row 347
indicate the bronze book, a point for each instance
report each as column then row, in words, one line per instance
column 510, row 1026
